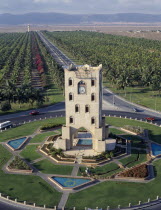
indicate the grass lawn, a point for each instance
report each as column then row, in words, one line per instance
column 133, row 157
column 155, row 131
column 116, row 131
column 47, row 167
column 103, row 171
column 28, row 129
column 4, row 156
column 116, row 193
column 41, row 137
column 29, row 153
column 26, row 188
column 139, row 95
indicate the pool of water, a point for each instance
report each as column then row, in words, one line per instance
column 70, row 182
column 156, row 149
column 87, row 142
column 16, row 143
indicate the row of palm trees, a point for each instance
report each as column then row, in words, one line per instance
column 126, row 61
column 24, row 94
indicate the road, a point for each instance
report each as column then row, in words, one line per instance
column 58, row 55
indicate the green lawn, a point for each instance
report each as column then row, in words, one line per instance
column 155, row 131
column 4, row 156
column 116, row 131
column 116, row 193
column 29, row 153
column 28, row 129
column 41, row 137
column 139, row 95
column 47, row 167
column 26, row 188
column 133, row 157
column 103, row 171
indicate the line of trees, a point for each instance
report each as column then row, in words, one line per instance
column 10, row 93
column 54, row 71
column 126, row 61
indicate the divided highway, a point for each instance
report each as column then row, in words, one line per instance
column 58, row 56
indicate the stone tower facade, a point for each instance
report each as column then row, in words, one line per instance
column 83, row 99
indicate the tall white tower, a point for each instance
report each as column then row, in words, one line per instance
column 83, row 98
column 28, row 28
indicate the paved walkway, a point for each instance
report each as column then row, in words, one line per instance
column 37, row 160
column 75, row 170
column 63, row 200
column 118, row 163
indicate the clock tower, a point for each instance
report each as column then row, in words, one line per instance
column 83, row 100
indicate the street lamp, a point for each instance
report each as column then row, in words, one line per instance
column 113, row 100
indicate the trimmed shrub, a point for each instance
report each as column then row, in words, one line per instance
column 49, row 126
column 135, row 129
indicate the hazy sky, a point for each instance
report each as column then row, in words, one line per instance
column 81, row 6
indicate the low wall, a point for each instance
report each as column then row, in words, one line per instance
column 19, row 170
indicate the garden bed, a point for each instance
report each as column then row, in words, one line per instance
column 18, row 165
column 140, row 172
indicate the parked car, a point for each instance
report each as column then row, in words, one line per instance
column 35, row 112
column 150, row 118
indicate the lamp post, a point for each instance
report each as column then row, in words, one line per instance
column 113, row 100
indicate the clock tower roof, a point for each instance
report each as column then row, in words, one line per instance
column 82, row 67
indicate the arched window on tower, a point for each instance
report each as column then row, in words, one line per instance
column 92, row 82
column 77, row 109
column 86, row 108
column 71, row 120
column 70, row 82
column 71, row 97
column 93, row 98
column 93, row 120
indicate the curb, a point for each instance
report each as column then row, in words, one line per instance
column 140, row 106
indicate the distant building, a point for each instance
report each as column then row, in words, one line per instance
column 28, row 28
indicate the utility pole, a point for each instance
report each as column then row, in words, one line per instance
column 155, row 102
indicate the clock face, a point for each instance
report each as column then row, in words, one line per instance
column 82, row 90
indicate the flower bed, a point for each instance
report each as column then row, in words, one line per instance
column 18, row 164
column 105, row 155
column 135, row 129
column 56, row 154
column 140, row 171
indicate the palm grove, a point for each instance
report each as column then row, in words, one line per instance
column 126, row 61
column 20, row 55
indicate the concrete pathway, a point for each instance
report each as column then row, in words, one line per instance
column 75, row 170
column 63, row 200
column 37, row 160
column 118, row 163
